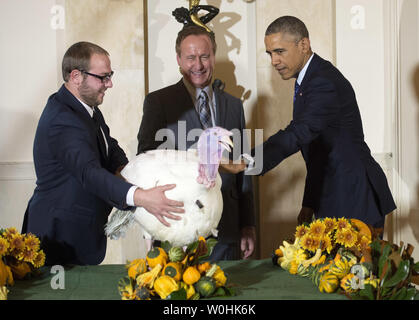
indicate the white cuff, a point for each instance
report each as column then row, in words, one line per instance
column 251, row 162
column 130, row 196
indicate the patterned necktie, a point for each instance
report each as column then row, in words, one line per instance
column 203, row 110
column 100, row 139
column 296, row 88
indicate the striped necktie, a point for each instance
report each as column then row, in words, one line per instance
column 204, row 110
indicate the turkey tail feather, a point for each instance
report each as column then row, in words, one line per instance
column 118, row 223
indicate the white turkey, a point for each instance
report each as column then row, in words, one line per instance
column 198, row 186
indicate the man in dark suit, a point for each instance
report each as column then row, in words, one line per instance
column 77, row 163
column 343, row 179
column 183, row 110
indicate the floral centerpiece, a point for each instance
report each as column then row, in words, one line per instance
column 173, row 273
column 20, row 256
column 343, row 255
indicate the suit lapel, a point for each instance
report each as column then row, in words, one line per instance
column 71, row 101
column 220, row 108
column 314, row 64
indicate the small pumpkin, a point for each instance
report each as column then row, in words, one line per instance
column 341, row 267
column 156, row 256
column 219, row 277
column 3, row 293
column 204, row 267
column 174, row 270
column 191, row 275
column 136, row 267
column 363, row 229
column 303, row 271
column 20, row 269
column 328, row 283
column 205, row 286
column 148, row 278
column 189, row 288
column 6, row 276
column 349, row 283
column 176, row 254
column 165, row 285
column 142, row 293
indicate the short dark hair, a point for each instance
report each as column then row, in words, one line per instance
column 290, row 25
column 78, row 57
column 194, row 30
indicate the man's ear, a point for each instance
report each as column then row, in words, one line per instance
column 305, row 43
column 76, row 77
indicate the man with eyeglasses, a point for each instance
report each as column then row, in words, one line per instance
column 77, row 165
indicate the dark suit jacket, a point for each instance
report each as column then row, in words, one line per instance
column 164, row 108
column 343, row 179
column 76, row 188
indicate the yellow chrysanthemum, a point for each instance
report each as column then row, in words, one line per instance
column 4, row 246
column 301, row 231
column 317, row 229
column 32, row 242
column 39, row 260
column 17, row 242
column 9, row 233
column 330, row 224
column 326, row 244
column 342, row 223
column 28, row 255
column 346, row 237
column 310, row 243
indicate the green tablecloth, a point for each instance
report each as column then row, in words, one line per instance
column 253, row 280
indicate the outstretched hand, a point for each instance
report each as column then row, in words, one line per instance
column 231, row 167
column 155, row 202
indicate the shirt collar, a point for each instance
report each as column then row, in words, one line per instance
column 87, row 107
column 304, row 70
column 194, row 92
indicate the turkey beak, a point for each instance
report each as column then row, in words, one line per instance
column 226, row 143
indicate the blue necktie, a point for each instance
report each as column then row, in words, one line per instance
column 296, row 88
column 99, row 122
column 203, row 110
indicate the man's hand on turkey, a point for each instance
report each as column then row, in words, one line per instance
column 155, row 202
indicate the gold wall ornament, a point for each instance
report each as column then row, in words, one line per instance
column 190, row 17
column 193, row 11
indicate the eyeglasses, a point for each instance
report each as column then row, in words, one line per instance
column 106, row 78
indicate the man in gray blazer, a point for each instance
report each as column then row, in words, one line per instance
column 189, row 106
